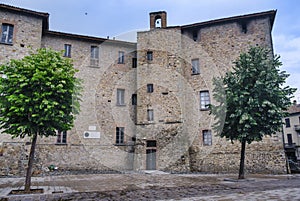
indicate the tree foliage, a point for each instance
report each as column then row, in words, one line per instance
column 252, row 99
column 39, row 94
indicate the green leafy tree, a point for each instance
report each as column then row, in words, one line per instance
column 39, row 96
column 251, row 99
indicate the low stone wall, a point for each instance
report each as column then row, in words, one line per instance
column 69, row 158
column 260, row 158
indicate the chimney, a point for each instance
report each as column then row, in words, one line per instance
column 158, row 19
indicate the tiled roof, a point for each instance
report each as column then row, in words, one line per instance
column 294, row 109
column 270, row 14
column 87, row 38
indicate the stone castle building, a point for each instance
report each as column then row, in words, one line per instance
column 144, row 104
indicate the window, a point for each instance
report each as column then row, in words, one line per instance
column 61, row 137
column 94, row 55
column 195, row 35
column 151, row 143
column 7, row 33
column 121, row 59
column 244, row 27
column 150, row 115
column 67, row 50
column 195, row 66
column 290, row 139
column 134, row 99
column 158, row 22
column 134, row 62
column 120, row 96
column 150, row 88
column 149, row 55
column 120, row 135
column 287, row 123
column 204, row 100
column 207, row 137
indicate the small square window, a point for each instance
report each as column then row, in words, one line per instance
column 149, row 55
column 207, row 137
column 195, row 67
column 151, row 143
column 7, row 33
column 120, row 97
column 150, row 115
column 120, row 135
column 121, row 59
column 204, row 100
column 67, row 50
column 61, row 137
column 94, row 56
column 150, row 88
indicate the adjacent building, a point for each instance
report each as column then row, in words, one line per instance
column 145, row 104
column 291, row 132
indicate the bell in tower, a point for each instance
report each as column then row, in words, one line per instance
column 158, row 19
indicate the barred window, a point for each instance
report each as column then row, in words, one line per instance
column 207, row 137
column 120, row 135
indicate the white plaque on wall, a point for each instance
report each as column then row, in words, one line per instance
column 92, row 128
column 91, row 134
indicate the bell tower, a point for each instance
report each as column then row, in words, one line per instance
column 158, row 19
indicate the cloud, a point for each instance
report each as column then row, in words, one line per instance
column 288, row 47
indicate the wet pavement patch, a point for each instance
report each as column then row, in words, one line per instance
column 238, row 180
column 22, row 192
column 57, row 192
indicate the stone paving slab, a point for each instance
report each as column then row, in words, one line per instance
column 292, row 194
column 156, row 186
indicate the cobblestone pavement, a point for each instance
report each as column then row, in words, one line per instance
column 156, row 186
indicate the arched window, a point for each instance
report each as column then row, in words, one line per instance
column 158, row 21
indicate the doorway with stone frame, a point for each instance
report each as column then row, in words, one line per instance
column 151, row 155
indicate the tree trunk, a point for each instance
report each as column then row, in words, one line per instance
column 242, row 161
column 30, row 163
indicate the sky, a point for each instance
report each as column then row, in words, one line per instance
column 120, row 18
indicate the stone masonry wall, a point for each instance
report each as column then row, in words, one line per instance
column 27, row 35
column 99, row 106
